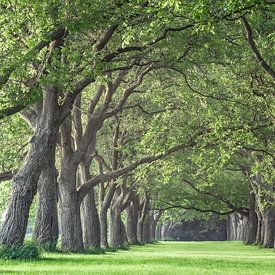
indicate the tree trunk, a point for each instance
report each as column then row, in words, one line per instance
column 24, row 183
column 69, row 208
column 250, row 229
column 269, row 227
column 90, row 221
column 118, row 236
column 169, row 230
column 153, row 226
column 166, row 230
column 250, row 222
column 132, row 219
column 103, row 216
column 146, row 228
column 142, row 216
column 155, row 217
column 103, row 228
column 46, row 223
column 259, row 239
column 159, row 232
column 117, row 231
column 89, row 213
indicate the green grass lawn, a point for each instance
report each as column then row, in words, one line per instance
column 161, row 258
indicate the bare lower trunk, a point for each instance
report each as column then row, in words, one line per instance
column 142, row 216
column 235, row 227
column 24, row 183
column 169, row 230
column 154, row 219
column 166, row 230
column 89, row 213
column 117, row 232
column 70, row 223
column 269, row 227
column 46, row 223
column 146, row 228
column 103, row 216
column 140, row 231
column 250, row 229
column 69, row 209
column 90, row 221
column 259, row 239
column 103, row 228
column 153, row 232
column 132, row 219
column 158, row 232
column 251, row 223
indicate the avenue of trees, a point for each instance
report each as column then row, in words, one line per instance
column 118, row 118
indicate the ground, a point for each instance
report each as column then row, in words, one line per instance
column 161, row 258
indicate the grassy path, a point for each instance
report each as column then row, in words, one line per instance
column 163, row 258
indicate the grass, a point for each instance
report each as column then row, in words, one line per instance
column 161, row 258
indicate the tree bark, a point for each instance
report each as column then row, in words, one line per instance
column 142, row 216
column 90, row 221
column 117, row 231
column 259, row 239
column 237, row 225
column 146, row 227
column 132, row 220
column 118, row 236
column 251, row 223
column 250, row 229
column 103, row 216
column 89, row 213
column 155, row 217
column 69, row 208
column 46, row 224
column 24, row 183
column 269, row 227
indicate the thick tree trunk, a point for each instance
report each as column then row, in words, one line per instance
column 251, row 223
column 146, row 228
column 90, row 221
column 262, row 231
column 154, row 219
column 103, row 216
column 269, row 227
column 159, row 232
column 24, row 183
column 140, row 232
column 103, row 228
column 118, row 236
column 117, row 231
column 89, row 213
column 69, row 208
column 162, row 231
column 70, row 222
column 250, row 229
column 132, row 219
column 142, row 216
column 46, row 224
column 259, row 239
column 169, row 230
column 153, row 226
column 229, row 228
column 166, row 230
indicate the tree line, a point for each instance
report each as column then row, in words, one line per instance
column 117, row 114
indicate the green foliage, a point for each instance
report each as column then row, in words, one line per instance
column 5, row 194
column 207, row 90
